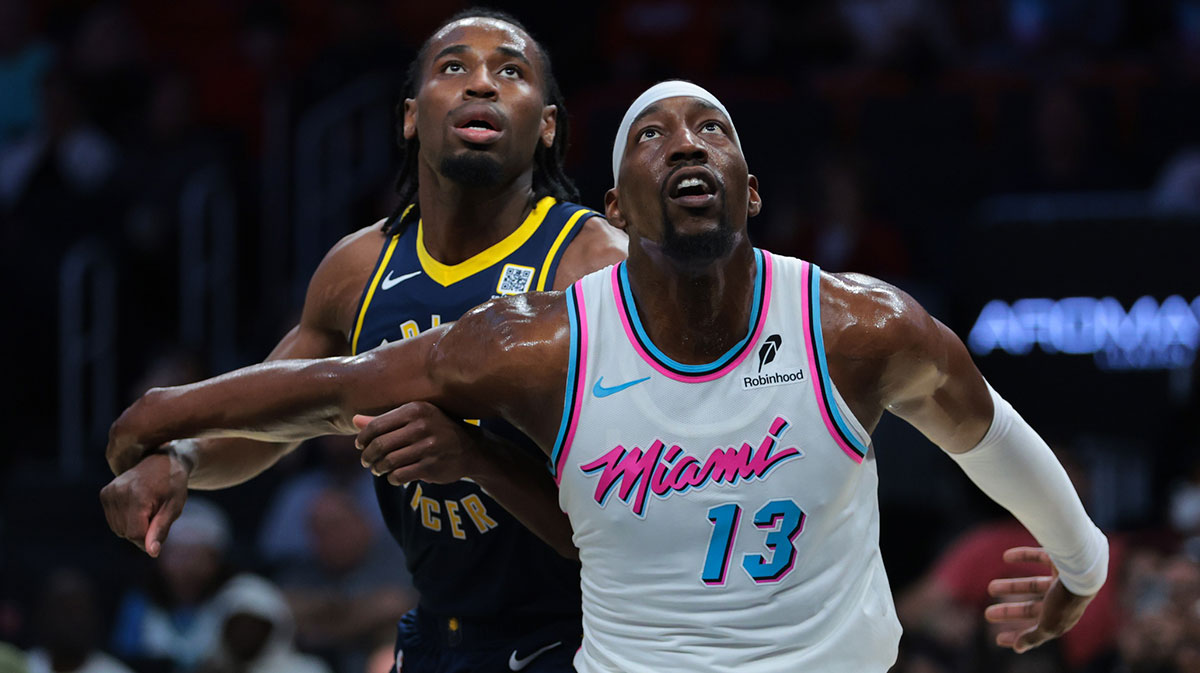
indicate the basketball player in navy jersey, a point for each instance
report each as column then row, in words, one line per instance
column 484, row 133
column 650, row 363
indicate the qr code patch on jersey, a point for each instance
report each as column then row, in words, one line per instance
column 515, row 279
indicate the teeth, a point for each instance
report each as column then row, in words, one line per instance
column 691, row 182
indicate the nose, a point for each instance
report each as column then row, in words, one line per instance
column 688, row 147
column 480, row 85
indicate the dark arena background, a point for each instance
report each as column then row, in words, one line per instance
column 172, row 172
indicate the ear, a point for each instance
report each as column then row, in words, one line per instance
column 755, row 203
column 410, row 119
column 549, row 125
column 612, row 210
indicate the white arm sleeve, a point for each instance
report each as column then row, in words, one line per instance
column 1015, row 467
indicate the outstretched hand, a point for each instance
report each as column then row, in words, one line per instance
column 1032, row 610
column 143, row 502
column 417, row 441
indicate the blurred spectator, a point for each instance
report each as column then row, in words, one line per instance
column 24, row 60
column 108, row 57
column 947, row 605
column 58, row 167
column 1068, row 151
column 836, row 227
column 13, row 660
column 67, row 629
column 174, row 620
column 1161, row 624
column 899, row 32
column 657, row 39
column 257, row 632
column 285, row 537
column 1177, row 189
column 353, row 592
column 1184, row 508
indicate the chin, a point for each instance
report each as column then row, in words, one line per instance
column 698, row 247
column 472, row 168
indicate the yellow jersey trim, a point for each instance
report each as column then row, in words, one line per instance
column 449, row 274
column 562, row 236
column 362, row 313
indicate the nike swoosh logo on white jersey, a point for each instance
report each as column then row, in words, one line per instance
column 388, row 282
column 516, row 664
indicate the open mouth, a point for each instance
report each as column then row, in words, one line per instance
column 478, row 126
column 693, row 188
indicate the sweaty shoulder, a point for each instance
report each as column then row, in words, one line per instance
column 339, row 280
column 509, row 355
column 597, row 245
column 864, row 318
column 868, row 327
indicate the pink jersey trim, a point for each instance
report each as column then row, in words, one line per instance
column 700, row 378
column 814, row 367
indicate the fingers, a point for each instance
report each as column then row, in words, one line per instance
column 411, row 472
column 1016, row 586
column 361, row 420
column 1027, row 555
column 409, row 453
column 127, row 518
column 389, row 422
column 1008, row 612
column 160, row 525
column 1023, row 639
column 384, row 445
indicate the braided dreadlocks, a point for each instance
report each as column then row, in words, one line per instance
column 548, row 176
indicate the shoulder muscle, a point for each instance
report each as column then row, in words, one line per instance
column 508, row 356
column 597, row 245
column 338, row 282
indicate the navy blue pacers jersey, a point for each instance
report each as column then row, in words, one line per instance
column 467, row 555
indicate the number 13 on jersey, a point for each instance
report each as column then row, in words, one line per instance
column 782, row 519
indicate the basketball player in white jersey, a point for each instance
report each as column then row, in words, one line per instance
column 713, row 449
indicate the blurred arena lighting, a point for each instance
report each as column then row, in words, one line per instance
column 1150, row 335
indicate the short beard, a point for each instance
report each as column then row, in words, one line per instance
column 472, row 169
column 697, row 248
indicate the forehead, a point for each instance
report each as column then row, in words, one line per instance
column 484, row 34
column 683, row 106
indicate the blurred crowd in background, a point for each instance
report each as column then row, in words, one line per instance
column 172, row 172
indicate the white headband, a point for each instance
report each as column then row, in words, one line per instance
column 662, row 90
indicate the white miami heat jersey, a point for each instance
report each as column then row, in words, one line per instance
column 726, row 514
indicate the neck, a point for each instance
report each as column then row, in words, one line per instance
column 694, row 314
column 460, row 222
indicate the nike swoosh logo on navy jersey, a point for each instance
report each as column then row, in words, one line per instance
column 516, row 664
column 388, row 282
column 602, row 391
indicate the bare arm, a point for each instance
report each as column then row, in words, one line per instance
column 491, row 363
column 895, row 356
column 395, row 444
column 149, row 492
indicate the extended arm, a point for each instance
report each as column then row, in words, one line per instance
column 925, row 375
column 394, row 445
column 496, row 361
column 152, row 483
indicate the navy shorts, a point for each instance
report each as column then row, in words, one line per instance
column 428, row 644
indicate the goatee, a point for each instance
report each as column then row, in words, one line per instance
column 472, row 169
column 703, row 247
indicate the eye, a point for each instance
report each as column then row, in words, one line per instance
column 511, row 71
column 648, row 133
column 712, row 127
column 453, row 68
